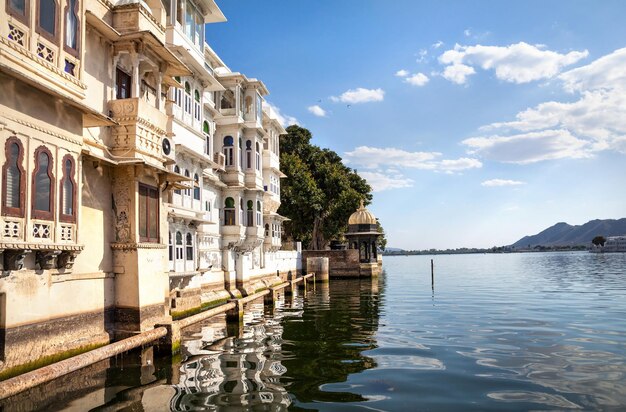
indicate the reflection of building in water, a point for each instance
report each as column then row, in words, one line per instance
column 233, row 371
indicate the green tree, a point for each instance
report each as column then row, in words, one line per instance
column 599, row 240
column 320, row 192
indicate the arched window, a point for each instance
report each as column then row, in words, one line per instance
column 250, row 213
column 187, row 191
column 248, row 154
column 187, row 98
column 178, row 93
column 177, row 170
column 67, row 191
column 189, row 246
column 13, row 181
column 72, row 24
column 258, row 156
column 229, row 211
column 43, row 185
column 179, row 246
column 240, row 149
column 47, row 17
column 207, row 138
column 170, row 247
column 196, row 105
column 258, row 213
column 241, row 221
column 228, row 150
column 196, row 187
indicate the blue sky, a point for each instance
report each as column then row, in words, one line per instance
column 476, row 122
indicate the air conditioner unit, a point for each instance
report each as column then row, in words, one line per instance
column 220, row 160
column 168, row 151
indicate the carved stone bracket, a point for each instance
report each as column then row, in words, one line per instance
column 65, row 260
column 45, row 258
column 14, row 258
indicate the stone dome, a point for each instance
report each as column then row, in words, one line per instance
column 362, row 216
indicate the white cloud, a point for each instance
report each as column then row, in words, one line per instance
column 373, row 157
column 317, row 110
column 594, row 122
column 457, row 73
column 524, row 148
column 467, row 32
column 418, row 79
column 516, row 63
column 402, row 73
column 607, row 72
column 360, row 95
column 421, row 56
column 380, row 181
column 437, row 44
column 501, row 182
column 274, row 112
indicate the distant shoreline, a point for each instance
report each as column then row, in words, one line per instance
column 497, row 250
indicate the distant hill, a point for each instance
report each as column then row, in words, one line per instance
column 563, row 234
column 393, row 249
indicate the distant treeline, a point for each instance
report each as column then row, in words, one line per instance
column 495, row 249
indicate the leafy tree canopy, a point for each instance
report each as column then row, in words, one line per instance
column 320, row 192
column 599, row 240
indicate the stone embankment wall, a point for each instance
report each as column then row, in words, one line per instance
column 344, row 263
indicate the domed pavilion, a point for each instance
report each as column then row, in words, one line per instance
column 362, row 234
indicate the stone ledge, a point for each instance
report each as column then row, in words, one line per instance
column 41, row 246
column 135, row 246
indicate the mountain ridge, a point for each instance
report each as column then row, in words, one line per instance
column 563, row 234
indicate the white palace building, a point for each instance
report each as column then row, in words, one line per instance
column 140, row 174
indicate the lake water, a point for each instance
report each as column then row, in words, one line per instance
column 536, row 331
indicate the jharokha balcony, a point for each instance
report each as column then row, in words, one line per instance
column 141, row 128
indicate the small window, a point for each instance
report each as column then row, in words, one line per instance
column 258, row 157
column 170, row 247
column 148, row 214
column 47, row 18
column 258, row 213
column 19, row 9
column 68, row 191
column 229, row 211
column 43, row 187
column 177, row 170
column 248, row 154
column 72, row 27
column 13, row 179
column 189, row 246
column 123, row 84
column 207, row 137
column 187, row 98
column 240, row 149
column 250, row 213
column 179, row 246
column 196, row 187
column 228, row 150
column 187, row 191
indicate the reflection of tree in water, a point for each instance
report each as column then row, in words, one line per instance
column 326, row 345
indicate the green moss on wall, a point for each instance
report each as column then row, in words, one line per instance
column 47, row 360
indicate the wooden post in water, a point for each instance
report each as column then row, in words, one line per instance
column 432, row 273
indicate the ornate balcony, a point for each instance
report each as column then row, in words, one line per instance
column 135, row 17
column 140, row 132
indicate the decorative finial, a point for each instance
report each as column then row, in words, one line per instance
column 361, row 206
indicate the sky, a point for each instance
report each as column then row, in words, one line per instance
column 476, row 123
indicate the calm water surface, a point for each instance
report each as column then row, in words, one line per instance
column 540, row 331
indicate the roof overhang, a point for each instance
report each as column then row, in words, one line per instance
column 175, row 67
column 199, row 71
